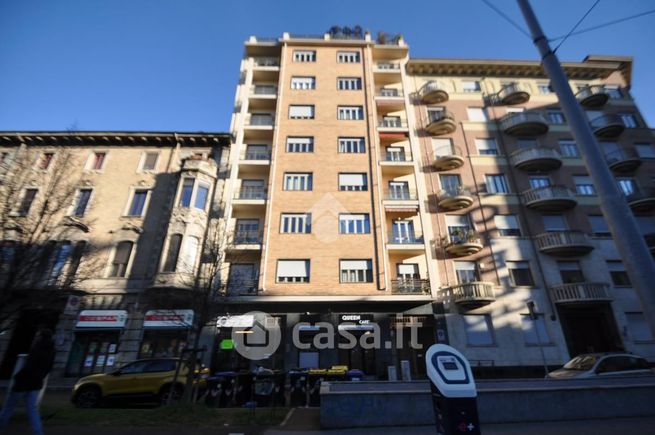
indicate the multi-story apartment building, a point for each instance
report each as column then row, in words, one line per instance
column 100, row 232
column 370, row 186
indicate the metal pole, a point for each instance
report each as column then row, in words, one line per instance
column 629, row 241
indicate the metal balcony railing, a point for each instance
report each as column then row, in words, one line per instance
column 434, row 91
column 400, row 195
column 239, row 286
column 257, row 155
column 247, row 237
column 251, row 193
column 266, row 61
column 513, row 93
column 264, row 90
column 528, row 123
column 258, row 120
column 410, row 286
column 392, row 123
column 396, row 238
column 389, row 93
column 546, row 193
column 389, row 66
column 523, row 156
column 396, row 157
column 473, row 292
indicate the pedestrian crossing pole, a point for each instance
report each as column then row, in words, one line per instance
column 629, row 241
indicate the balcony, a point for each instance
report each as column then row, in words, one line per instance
column 473, row 294
column 442, row 122
column 410, row 286
column 642, row 200
column 246, row 241
column 593, row 96
column 433, row 92
column 266, row 62
column 447, row 157
column 623, row 160
column 259, row 121
column 580, row 292
column 650, row 242
column 513, row 93
column 401, row 201
column 242, row 287
column 550, row 198
column 463, row 243
column 454, row 198
column 248, row 197
column 564, row 243
column 607, row 126
column 524, row 124
column 406, row 242
column 391, row 125
column 538, row 158
column 394, row 163
column 389, row 67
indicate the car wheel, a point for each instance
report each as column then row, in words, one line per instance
column 88, row 397
column 175, row 394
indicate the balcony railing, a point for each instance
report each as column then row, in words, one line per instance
column 474, row 293
column 247, row 238
column 564, row 243
column 410, row 286
column 405, row 239
column 433, row 92
column 524, row 124
column 536, row 158
column 455, row 198
column 642, row 200
column 441, row 122
column 462, row 242
column 239, row 287
column 266, row 62
column 623, row 160
column 257, row 155
column 390, row 66
column 400, row 195
column 397, row 157
column 607, row 126
column 650, row 241
column 580, row 292
column 260, row 120
column 513, row 93
column 389, row 93
column 550, row 198
column 447, row 157
column 264, row 90
column 251, row 193
column 392, row 123
column 592, row 96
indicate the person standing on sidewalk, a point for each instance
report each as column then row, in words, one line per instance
column 29, row 381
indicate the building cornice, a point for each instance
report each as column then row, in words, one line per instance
column 114, row 138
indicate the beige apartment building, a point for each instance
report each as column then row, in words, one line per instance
column 373, row 187
column 100, row 233
column 397, row 199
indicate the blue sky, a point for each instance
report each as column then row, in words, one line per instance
column 165, row 65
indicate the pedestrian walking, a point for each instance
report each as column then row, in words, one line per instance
column 29, row 381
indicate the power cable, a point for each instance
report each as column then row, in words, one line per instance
column 508, row 19
column 600, row 26
column 576, row 26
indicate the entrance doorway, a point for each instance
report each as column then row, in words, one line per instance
column 589, row 328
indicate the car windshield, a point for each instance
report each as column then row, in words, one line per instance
column 582, row 362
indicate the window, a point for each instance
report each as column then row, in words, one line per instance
column 569, row 148
column 353, row 181
column 554, row 222
column 139, row 198
column 395, row 154
column 356, row 271
column 257, row 152
column 252, row 189
column 611, row 150
column 614, row 92
column 261, row 119
column 348, row 56
column 296, row 223
column 391, row 122
column 459, row 227
column 187, row 192
column 519, row 273
column 300, row 144
column 402, row 231
column 556, row 117
column 477, row 114
column 527, row 143
column 450, row 183
column 174, row 244
column 407, row 271
column 584, row 185
column 466, row 272
column 599, row 227
column 304, row 56
column 534, row 330
column 352, row 145
column 478, row 330
column 301, row 112
column 442, row 147
column 436, row 114
column 507, row 225
column 242, row 278
column 486, row 147
column 351, row 223
column 246, row 231
column 350, row 112
column 149, row 161
column 496, row 183
column 201, row 196
column 201, row 189
column 544, row 88
column 627, row 185
column 263, row 89
column 81, row 202
column 298, row 181
column 570, row 272
column 292, row 271
column 97, row 161
column 470, row 86
column 121, row 259
column 45, row 160
column 189, row 254
column 645, row 150
column 26, row 201
column 303, row 83
column 59, row 259
column 538, row 182
column 629, row 120
column 618, row 273
column 7, row 252
column 349, row 83
column 638, row 327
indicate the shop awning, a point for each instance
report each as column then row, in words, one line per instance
column 101, row 319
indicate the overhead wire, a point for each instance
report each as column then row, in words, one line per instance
column 600, row 26
column 576, row 26
column 508, row 19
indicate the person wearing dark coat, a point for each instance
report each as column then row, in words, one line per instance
column 28, row 382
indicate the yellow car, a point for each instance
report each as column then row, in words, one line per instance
column 145, row 379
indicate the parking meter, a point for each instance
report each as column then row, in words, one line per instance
column 453, row 391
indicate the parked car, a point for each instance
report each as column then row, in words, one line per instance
column 601, row 365
column 144, row 380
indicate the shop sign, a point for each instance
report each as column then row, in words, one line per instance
column 168, row 319
column 356, row 322
column 102, row 319
column 242, row 321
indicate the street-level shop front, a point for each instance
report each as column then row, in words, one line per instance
column 165, row 333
